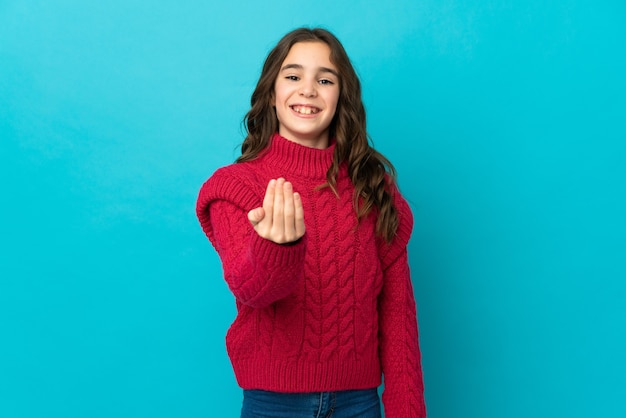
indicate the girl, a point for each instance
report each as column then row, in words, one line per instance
column 312, row 233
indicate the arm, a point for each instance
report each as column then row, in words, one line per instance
column 403, row 396
column 399, row 351
column 257, row 270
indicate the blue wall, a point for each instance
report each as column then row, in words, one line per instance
column 505, row 119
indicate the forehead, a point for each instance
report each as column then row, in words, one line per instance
column 312, row 54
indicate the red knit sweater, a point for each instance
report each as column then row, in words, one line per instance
column 333, row 311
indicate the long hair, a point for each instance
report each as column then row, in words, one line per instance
column 371, row 173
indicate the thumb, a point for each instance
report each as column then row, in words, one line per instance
column 256, row 215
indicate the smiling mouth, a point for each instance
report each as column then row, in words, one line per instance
column 305, row 110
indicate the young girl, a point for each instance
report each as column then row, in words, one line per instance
column 312, row 233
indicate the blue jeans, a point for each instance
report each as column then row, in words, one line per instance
column 341, row 404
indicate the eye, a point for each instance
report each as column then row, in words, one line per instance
column 292, row 77
column 326, row 82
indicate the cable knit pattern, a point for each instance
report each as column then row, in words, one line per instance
column 333, row 311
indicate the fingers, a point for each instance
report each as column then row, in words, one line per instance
column 268, row 201
column 281, row 219
column 256, row 215
column 278, row 226
column 298, row 215
column 290, row 210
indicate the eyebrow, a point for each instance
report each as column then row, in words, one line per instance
column 300, row 67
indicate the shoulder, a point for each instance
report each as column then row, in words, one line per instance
column 405, row 215
column 235, row 183
column 390, row 251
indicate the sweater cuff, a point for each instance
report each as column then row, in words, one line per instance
column 279, row 272
column 273, row 256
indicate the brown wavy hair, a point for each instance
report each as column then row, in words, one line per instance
column 371, row 173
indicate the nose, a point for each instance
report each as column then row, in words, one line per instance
column 308, row 89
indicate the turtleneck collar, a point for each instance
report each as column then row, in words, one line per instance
column 297, row 159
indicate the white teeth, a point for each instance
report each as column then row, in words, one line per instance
column 305, row 110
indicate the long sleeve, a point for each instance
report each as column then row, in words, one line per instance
column 258, row 271
column 403, row 396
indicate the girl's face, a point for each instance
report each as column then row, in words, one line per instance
column 306, row 92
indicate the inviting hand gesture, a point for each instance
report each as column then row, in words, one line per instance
column 281, row 219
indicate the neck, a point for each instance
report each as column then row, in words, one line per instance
column 320, row 142
column 294, row 158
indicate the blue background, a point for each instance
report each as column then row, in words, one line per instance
column 505, row 119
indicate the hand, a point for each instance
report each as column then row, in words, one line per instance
column 281, row 219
